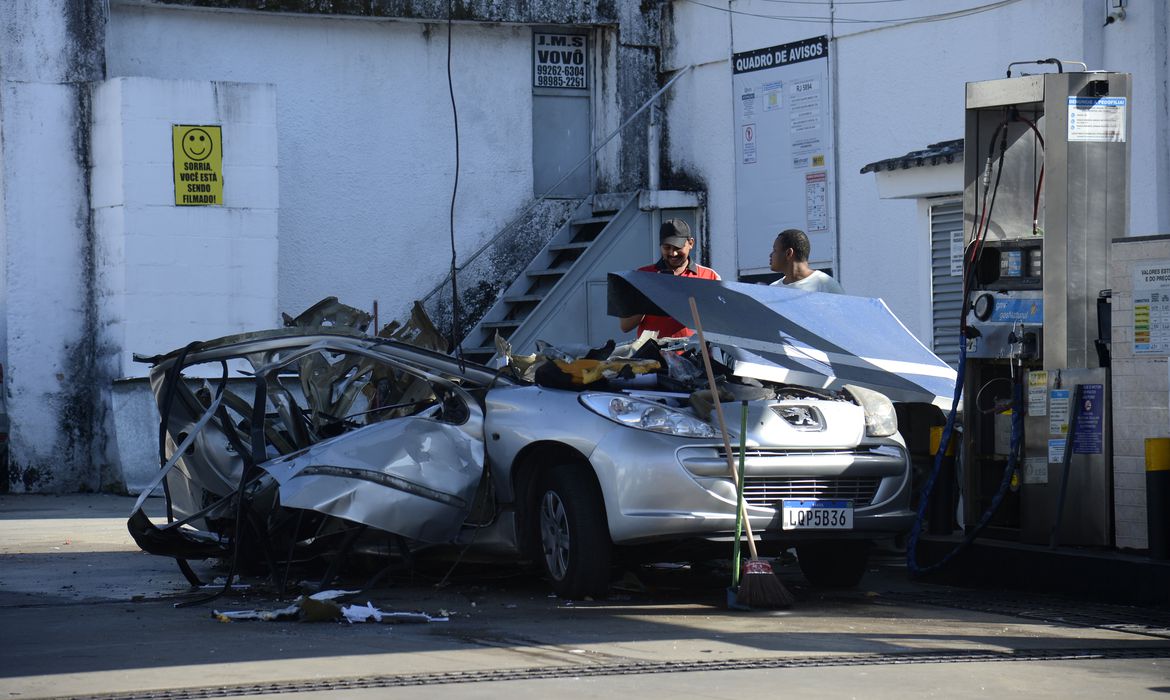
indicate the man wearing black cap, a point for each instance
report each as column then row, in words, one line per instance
column 676, row 242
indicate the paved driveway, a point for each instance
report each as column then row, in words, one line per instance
column 83, row 612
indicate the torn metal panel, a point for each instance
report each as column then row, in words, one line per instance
column 415, row 476
column 329, row 312
column 205, row 466
column 419, row 331
column 367, row 430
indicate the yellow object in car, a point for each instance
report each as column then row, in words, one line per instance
column 588, row 371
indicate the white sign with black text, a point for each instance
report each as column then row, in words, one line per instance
column 784, row 146
column 560, row 61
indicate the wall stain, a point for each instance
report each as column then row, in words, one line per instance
column 676, row 177
column 85, row 25
column 76, row 461
column 483, row 280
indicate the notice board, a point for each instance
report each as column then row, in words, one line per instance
column 1151, row 307
column 783, row 151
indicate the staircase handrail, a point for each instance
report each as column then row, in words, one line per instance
column 531, row 205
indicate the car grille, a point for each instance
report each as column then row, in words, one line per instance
column 779, row 452
column 767, row 491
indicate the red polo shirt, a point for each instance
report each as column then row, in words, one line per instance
column 666, row 326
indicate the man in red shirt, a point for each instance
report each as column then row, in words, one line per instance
column 676, row 242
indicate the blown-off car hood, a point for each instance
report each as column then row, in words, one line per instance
column 793, row 336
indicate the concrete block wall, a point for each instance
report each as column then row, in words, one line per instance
column 1141, row 392
column 213, row 267
column 166, row 275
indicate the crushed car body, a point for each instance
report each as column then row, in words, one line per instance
column 300, row 441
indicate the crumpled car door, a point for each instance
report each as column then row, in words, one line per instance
column 413, row 476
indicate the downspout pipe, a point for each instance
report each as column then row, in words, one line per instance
column 653, row 149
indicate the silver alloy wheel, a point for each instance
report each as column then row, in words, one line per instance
column 554, row 534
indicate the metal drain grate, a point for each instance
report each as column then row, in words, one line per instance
column 635, row 668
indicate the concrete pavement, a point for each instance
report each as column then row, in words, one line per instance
column 84, row 612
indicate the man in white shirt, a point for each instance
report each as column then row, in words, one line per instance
column 790, row 254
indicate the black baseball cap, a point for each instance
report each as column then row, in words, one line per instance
column 674, row 232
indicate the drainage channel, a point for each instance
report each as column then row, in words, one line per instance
column 634, row 668
column 1118, row 618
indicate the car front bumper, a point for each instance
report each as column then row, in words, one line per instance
column 656, row 489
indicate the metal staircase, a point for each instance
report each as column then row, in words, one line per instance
column 560, row 296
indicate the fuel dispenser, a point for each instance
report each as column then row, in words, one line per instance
column 1046, row 190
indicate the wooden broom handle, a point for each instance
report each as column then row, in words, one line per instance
column 747, row 523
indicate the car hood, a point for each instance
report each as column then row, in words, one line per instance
column 794, row 336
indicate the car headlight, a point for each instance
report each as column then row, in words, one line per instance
column 880, row 419
column 648, row 415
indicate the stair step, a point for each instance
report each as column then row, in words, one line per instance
column 551, row 272
column 563, row 247
column 524, row 299
column 510, row 323
column 592, row 220
column 485, row 350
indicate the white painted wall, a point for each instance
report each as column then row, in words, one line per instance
column 44, row 275
column 1138, row 45
column 900, row 86
column 698, row 123
column 167, row 275
column 366, row 147
column 46, row 241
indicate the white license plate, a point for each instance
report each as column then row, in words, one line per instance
column 816, row 515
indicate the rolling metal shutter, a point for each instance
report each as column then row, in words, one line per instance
column 946, row 245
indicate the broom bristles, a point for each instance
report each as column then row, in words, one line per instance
column 760, row 588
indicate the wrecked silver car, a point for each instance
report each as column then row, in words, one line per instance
column 313, row 438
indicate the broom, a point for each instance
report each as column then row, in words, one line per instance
column 736, row 550
column 758, row 587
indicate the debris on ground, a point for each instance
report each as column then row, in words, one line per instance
column 324, row 607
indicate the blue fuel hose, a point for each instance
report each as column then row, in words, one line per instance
column 1013, row 452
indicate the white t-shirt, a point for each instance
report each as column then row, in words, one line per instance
column 816, row 282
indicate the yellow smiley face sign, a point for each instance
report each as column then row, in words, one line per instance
column 198, row 158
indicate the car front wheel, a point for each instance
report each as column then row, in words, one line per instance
column 572, row 534
column 833, row 564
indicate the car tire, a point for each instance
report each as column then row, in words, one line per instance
column 572, row 535
column 833, row 564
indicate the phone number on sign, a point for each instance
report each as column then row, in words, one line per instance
column 560, row 76
column 548, row 81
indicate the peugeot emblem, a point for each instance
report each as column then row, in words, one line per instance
column 802, row 417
